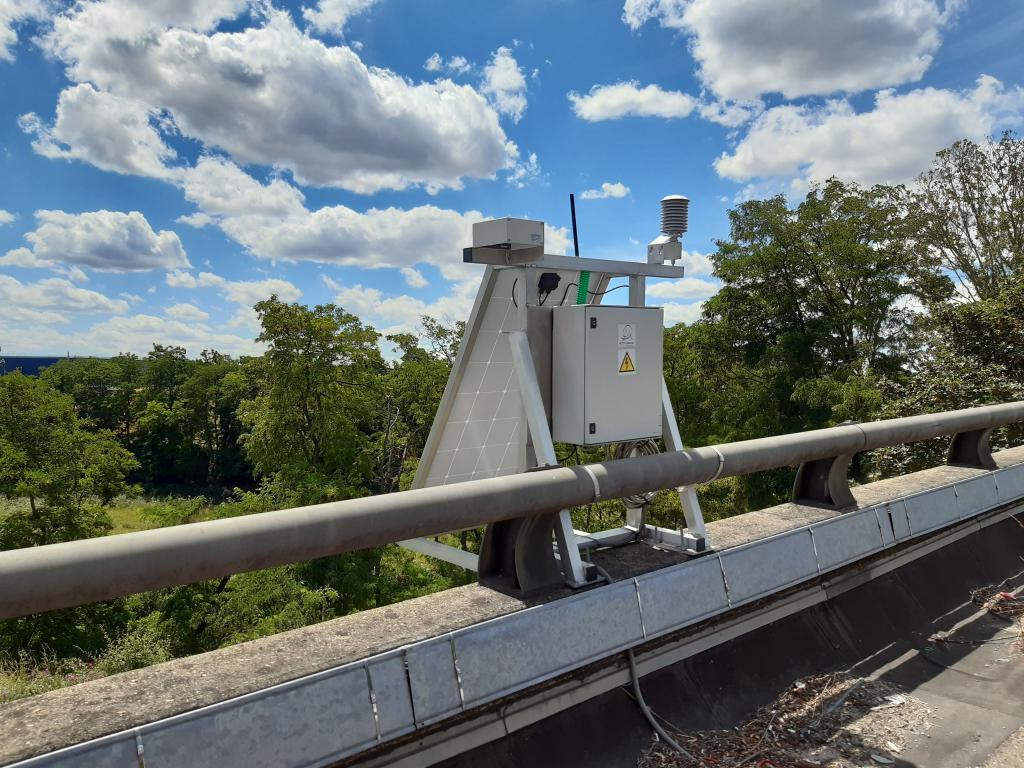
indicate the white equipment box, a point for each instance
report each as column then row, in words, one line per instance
column 606, row 373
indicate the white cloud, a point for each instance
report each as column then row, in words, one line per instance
column 731, row 114
column 272, row 95
column 696, row 263
column 6, row 217
column 249, row 292
column 393, row 314
column 893, row 142
column 682, row 313
column 197, row 220
column 181, row 279
column 186, row 312
column 271, row 221
column 244, row 292
column 112, row 133
column 221, row 188
column 12, row 14
column 109, row 241
column 608, row 189
column 520, row 174
column 683, row 288
column 630, row 99
column 135, row 333
column 745, row 48
column 505, row 85
column 56, row 295
column 456, row 65
column 331, row 15
column 414, row 278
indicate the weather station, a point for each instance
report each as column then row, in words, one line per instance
column 543, row 361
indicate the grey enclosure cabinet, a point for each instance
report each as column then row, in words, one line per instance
column 606, row 373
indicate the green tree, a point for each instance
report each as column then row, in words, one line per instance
column 317, row 393
column 49, row 457
column 970, row 354
column 813, row 308
column 967, row 214
column 65, row 473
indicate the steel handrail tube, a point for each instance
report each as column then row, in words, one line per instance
column 55, row 576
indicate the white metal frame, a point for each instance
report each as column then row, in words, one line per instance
column 540, row 450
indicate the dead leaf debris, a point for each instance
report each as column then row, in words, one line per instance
column 823, row 721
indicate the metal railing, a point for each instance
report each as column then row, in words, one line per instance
column 79, row 572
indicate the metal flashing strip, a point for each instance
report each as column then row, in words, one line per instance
column 346, row 710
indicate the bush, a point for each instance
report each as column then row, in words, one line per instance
column 141, row 646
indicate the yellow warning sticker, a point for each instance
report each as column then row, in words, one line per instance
column 627, row 361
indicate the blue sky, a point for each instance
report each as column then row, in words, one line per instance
column 165, row 164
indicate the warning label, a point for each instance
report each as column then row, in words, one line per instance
column 627, row 361
column 627, row 335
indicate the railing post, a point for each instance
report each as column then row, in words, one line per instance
column 971, row 449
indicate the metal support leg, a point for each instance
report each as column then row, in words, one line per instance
column 823, row 483
column 695, row 537
column 521, row 550
column 971, row 449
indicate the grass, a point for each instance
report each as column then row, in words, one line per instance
column 129, row 515
column 23, row 677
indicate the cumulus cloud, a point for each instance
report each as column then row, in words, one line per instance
column 134, row 333
column 271, row 221
column 404, row 313
column 12, row 14
column 522, row 173
column 331, row 15
column 683, row 288
column 414, row 278
column 456, row 65
column 608, row 189
column 682, row 313
column 6, row 217
column 243, row 292
column 112, row 133
column 696, row 263
column 505, row 85
column 186, row 312
column 108, row 241
column 893, row 142
column 630, row 99
column 745, row 48
column 272, row 95
column 56, row 295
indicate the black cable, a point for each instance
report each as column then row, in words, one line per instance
column 602, row 293
column 514, row 283
column 570, row 285
column 592, row 293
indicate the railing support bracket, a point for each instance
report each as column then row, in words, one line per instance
column 823, row 483
column 971, row 449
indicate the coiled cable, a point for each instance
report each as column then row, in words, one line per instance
column 637, row 448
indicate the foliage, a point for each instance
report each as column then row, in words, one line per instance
column 967, row 212
column 812, row 310
column 308, row 426
column 66, row 471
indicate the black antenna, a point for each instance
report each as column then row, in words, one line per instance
column 575, row 237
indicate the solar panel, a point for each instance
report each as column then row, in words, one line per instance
column 484, row 432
